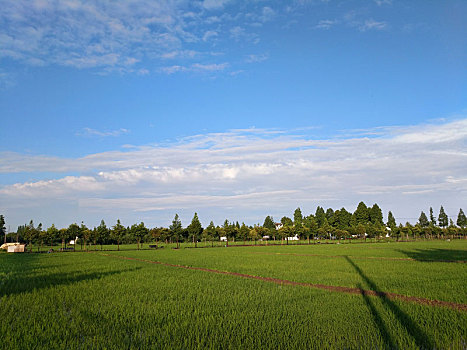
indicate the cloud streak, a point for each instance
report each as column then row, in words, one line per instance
column 256, row 172
column 94, row 132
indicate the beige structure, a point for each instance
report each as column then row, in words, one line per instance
column 16, row 249
column 13, row 247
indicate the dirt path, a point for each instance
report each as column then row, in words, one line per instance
column 348, row 290
column 361, row 257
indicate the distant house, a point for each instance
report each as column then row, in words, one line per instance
column 293, row 238
column 278, row 225
column 223, row 239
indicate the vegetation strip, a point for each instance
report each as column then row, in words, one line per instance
column 348, row 290
column 363, row 257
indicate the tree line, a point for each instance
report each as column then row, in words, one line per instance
column 365, row 222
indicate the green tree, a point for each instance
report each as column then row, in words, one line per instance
column 73, row 232
column 52, row 234
column 443, row 219
column 311, row 226
column 176, row 228
column 298, row 222
column 138, row 232
column 342, row 219
column 2, row 228
column 432, row 217
column 376, row 215
column 461, row 219
column 320, row 216
column 269, row 223
column 86, row 234
column 286, row 221
column 227, row 230
column 362, row 214
column 118, row 232
column 245, row 231
column 330, row 216
column 63, row 234
column 423, row 220
column 391, row 221
column 31, row 233
column 102, row 233
column 195, row 229
column 209, row 233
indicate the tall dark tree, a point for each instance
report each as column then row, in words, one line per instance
column 423, row 220
column 176, row 228
column 461, row 219
column 391, row 221
column 297, row 217
column 102, row 233
column 376, row 215
column 443, row 219
column 286, row 221
column 52, row 234
column 342, row 219
column 245, row 231
column 86, row 234
column 209, row 232
column 2, row 228
column 298, row 222
column 269, row 223
column 227, row 230
column 330, row 216
column 320, row 216
column 195, row 229
column 432, row 217
column 118, row 232
column 362, row 214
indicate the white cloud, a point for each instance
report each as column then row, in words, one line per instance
column 214, row 4
column 383, row 2
column 94, row 132
column 371, row 24
column 268, row 14
column 195, row 67
column 326, row 24
column 209, row 35
column 243, row 173
column 256, row 58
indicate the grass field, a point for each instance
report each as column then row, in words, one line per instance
column 123, row 299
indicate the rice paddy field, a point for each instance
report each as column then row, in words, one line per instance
column 405, row 295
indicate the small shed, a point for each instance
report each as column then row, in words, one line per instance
column 16, row 248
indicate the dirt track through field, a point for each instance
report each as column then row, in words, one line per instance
column 348, row 290
column 362, row 257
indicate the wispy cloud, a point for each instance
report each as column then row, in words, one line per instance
column 256, row 58
column 383, row 2
column 214, row 4
column 94, row 132
column 196, row 67
column 371, row 24
column 258, row 172
column 326, row 24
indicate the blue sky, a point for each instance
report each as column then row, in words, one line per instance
column 235, row 109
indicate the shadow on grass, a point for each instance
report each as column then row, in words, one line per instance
column 420, row 337
column 436, row 255
column 19, row 283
